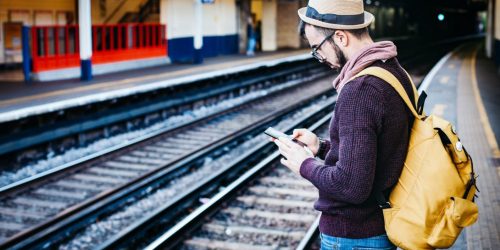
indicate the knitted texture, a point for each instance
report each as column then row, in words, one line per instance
column 369, row 135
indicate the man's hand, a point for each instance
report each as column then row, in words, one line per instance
column 294, row 154
column 308, row 138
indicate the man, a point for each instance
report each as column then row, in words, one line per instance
column 368, row 134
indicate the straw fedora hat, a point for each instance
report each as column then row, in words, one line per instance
column 336, row 14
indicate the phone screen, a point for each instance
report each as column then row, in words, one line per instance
column 275, row 133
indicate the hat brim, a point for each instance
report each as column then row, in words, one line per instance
column 368, row 20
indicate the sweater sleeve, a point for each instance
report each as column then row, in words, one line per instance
column 350, row 179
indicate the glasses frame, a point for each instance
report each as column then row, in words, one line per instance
column 314, row 51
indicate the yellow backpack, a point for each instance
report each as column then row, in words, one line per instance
column 434, row 197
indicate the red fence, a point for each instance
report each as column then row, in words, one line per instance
column 56, row 47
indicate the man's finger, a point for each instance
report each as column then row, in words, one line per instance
column 285, row 141
column 284, row 150
column 289, row 143
column 300, row 131
column 296, row 133
column 284, row 162
column 282, row 144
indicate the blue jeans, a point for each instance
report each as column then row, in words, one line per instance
column 376, row 242
column 251, row 46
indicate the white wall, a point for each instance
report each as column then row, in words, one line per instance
column 177, row 23
column 218, row 18
column 269, row 22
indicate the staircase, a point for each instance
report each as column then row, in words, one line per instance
column 149, row 12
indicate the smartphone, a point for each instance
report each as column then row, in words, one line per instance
column 274, row 133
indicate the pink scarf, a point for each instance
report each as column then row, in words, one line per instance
column 376, row 51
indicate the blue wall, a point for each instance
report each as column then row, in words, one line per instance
column 182, row 49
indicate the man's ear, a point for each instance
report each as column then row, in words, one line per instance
column 342, row 38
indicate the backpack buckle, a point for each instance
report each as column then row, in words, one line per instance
column 385, row 205
column 382, row 202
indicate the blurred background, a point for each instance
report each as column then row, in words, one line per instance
column 163, row 31
column 129, row 124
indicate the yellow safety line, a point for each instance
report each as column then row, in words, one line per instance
column 490, row 135
column 439, row 109
column 113, row 84
column 444, row 80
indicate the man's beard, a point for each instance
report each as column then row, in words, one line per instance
column 341, row 58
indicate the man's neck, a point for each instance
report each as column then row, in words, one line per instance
column 358, row 45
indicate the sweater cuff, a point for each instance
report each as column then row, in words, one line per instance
column 324, row 147
column 307, row 167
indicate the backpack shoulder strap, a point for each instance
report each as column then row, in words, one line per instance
column 394, row 82
column 415, row 91
column 420, row 99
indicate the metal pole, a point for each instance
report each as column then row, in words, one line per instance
column 198, row 32
column 163, row 21
column 85, row 39
column 26, row 53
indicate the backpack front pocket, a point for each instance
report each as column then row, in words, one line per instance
column 458, row 214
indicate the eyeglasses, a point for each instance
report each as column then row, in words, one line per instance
column 315, row 53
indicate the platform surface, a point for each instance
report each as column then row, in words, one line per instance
column 18, row 99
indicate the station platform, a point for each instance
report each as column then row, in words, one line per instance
column 19, row 99
column 464, row 88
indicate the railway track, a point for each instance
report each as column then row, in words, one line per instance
column 268, row 207
column 43, row 206
column 166, row 205
column 191, row 194
column 33, row 139
column 276, row 211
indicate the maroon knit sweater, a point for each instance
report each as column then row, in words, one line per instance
column 369, row 134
